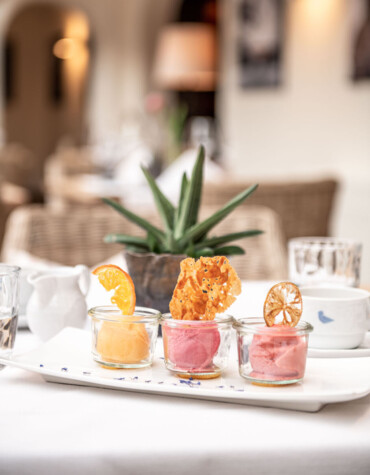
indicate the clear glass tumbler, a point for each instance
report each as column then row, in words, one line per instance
column 324, row 261
column 196, row 349
column 9, row 302
column 271, row 356
column 124, row 341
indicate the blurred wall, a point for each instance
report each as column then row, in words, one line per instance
column 125, row 34
column 123, row 38
column 317, row 123
column 30, row 118
column 35, row 117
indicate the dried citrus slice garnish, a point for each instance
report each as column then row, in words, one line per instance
column 284, row 298
column 114, row 278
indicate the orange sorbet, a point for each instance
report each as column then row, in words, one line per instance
column 123, row 342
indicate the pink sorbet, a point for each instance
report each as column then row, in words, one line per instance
column 190, row 348
column 278, row 356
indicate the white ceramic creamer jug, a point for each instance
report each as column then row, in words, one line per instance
column 58, row 300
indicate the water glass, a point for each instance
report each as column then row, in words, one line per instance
column 324, row 261
column 9, row 301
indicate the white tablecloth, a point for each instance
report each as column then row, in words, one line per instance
column 48, row 428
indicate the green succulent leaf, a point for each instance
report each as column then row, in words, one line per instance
column 182, row 235
column 229, row 251
column 217, row 240
column 189, row 210
column 204, row 252
column 137, row 249
column 190, row 250
column 128, row 240
column 199, row 230
column 165, row 207
column 171, row 244
column 141, row 222
column 184, row 186
column 152, row 243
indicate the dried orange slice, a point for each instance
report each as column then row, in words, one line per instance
column 283, row 298
column 114, row 278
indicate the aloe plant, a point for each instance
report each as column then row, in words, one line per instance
column 182, row 233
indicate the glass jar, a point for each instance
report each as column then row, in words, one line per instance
column 274, row 355
column 124, row 341
column 9, row 303
column 196, row 349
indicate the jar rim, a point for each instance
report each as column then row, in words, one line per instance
column 325, row 241
column 111, row 313
column 221, row 318
column 253, row 325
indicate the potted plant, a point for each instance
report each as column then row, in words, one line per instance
column 153, row 261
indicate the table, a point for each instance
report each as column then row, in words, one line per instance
column 56, row 429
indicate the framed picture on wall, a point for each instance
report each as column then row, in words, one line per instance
column 360, row 27
column 260, row 25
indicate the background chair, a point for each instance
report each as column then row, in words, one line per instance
column 305, row 208
column 265, row 257
column 75, row 236
column 61, row 177
column 19, row 166
column 67, row 236
column 11, row 196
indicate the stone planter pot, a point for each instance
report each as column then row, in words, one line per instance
column 154, row 276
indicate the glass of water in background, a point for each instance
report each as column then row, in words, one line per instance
column 324, row 261
column 9, row 301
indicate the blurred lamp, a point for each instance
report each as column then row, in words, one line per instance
column 186, row 57
column 67, row 48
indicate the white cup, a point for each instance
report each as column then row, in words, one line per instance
column 340, row 316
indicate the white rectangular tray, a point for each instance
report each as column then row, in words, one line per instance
column 67, row 359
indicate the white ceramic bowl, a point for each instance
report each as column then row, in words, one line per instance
column 340, row 316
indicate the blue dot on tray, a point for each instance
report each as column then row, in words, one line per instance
column 190, row 382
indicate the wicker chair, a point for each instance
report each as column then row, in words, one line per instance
column 61, row 170
column 17, row 166
column 304, row 208
column 11, row 196
column 75, row 236
column 69, row 237
column 265, row 257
